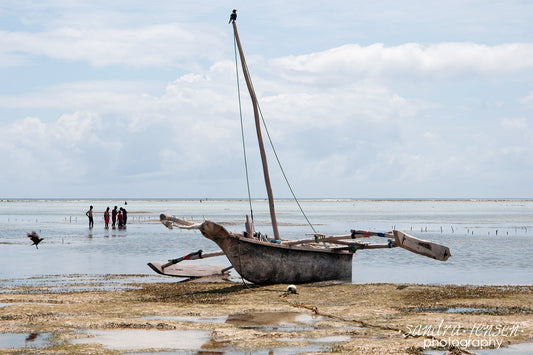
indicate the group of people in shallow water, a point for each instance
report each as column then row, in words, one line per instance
column 119, row 217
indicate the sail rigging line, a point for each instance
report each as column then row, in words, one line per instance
column 276, row 155
column 283, row 172
column 242, row 129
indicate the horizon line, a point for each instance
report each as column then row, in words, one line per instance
column 2, row 199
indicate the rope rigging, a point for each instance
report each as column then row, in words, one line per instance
column 270, row 141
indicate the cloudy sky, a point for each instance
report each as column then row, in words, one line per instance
column 380, row 99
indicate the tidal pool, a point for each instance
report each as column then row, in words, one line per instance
column 288, row 321
column 517, row 349
column 24, row 340
column 146, row 339
column 191, row 319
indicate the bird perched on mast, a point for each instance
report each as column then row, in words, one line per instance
column 35, row 238
column 233, row 16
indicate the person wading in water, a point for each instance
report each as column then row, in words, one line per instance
column 114, row 217
column 89, row 214
column 106, row 218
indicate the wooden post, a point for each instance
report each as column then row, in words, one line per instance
column 259, row 136
column 249, row 228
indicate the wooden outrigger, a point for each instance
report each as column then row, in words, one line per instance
column 273, row 261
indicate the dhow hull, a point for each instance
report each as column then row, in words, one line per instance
column 265, row 263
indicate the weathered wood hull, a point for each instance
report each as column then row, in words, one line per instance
column 267, row 263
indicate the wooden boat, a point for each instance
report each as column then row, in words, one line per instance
column 275, row 261
column 268, row 262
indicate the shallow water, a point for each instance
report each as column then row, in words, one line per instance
column 489, row 240
column 194, row 341
column 518, row 349
column 186, row 341
column 191, row 319
column 146, row 339
column 273, row 321
column 473, row 310
column 24, row 340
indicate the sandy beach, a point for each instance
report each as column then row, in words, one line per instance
column 232, row 317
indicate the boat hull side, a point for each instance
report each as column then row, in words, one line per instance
column 269, row 263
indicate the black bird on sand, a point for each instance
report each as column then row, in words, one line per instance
column 35, row 238
column 233, row 16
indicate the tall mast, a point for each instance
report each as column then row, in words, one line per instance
column 259, row 136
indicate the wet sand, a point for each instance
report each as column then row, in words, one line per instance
column 225, row 317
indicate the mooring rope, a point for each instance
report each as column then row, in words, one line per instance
column 285, row 298
column 242, row 128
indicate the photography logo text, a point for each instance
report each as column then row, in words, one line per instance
column 479, row 335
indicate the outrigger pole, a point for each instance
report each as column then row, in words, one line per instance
column 259, row 136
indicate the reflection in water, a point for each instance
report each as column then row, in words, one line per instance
column 22, row 340
column 32, row 337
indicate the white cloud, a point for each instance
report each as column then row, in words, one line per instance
column 364, row 132
column 527, row 100
column 40, row 153
column 409, row 61
column 515, row 123
column 149, row 46
column 431, row 111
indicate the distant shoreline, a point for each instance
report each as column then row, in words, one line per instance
column 221, row 199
